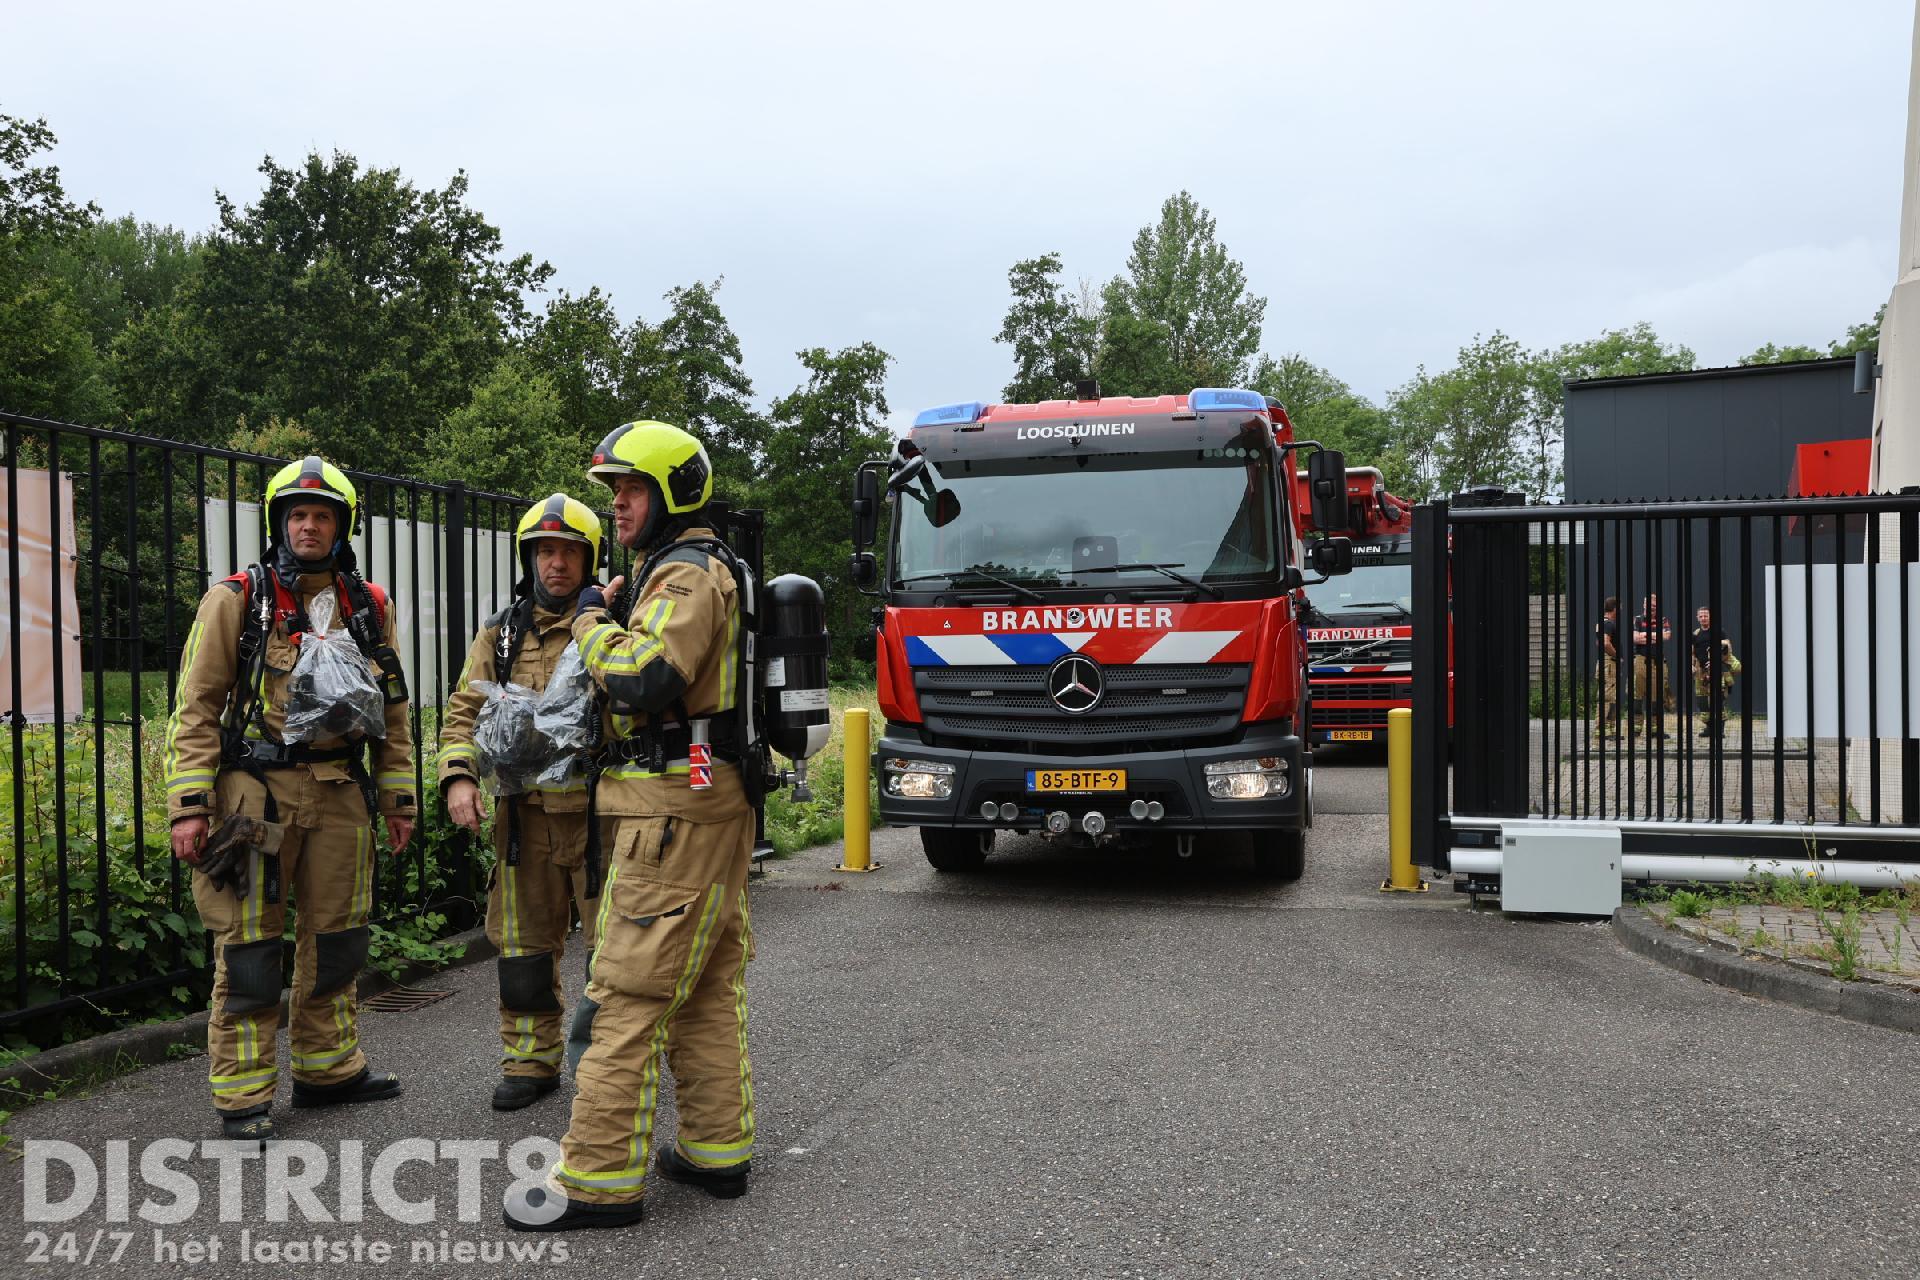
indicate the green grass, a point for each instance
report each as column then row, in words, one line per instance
column 791, row 826
column 116, row 702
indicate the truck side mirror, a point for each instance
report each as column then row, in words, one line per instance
column 866, row 507
column 1331, row 557
column 863, row 570
column 1327, row 492
column 909, row 471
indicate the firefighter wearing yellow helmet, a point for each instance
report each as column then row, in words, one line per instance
column 543, row 857
column 295, row 816
column 668, row 971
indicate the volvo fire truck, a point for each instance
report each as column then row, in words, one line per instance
column 1092, row 623
column 1360, row 628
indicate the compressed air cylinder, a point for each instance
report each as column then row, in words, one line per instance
column 794, row 614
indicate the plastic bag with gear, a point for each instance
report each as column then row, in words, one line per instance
column 509, row 750
column 567, row 716
column 333, row 693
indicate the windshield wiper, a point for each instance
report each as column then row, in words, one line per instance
column 974, row 571
column 1166, row 569
column 1380, row 604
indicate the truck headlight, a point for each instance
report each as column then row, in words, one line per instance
column 918, row 779
column 1248, row 779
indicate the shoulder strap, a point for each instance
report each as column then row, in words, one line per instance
column 259, row 601
column 515, row 622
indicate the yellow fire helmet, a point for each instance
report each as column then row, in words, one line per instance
column 670, row 457
column 557, row 516
column 312, row 479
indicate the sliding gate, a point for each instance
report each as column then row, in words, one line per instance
column 1779, row 723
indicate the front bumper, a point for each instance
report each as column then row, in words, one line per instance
column 1176, row 779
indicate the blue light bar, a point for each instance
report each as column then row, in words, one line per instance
column 1208, row 399
column 950, row 415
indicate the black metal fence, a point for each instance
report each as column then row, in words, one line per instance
column 111, row 540
column 1790, row 707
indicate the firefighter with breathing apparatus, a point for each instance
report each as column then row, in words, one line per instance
column 545, row 854
column 288, row 679
column 681, row 781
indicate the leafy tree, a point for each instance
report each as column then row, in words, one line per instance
column 349, row 299
column 48, row 363
column 818, row 432
column 580, row 348
column 1771, row 354
column 1616, row 353
column 1859, row 337
column 1461, row 428
column 1054, row 337
column 120, row 269
column 1324, row 408
column 1180, row 316
column 1296, row 382
column 512, row 436
column 33, row 203
column 695, row 375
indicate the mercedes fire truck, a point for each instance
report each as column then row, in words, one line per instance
column 1360, row 628
column 1093, row 622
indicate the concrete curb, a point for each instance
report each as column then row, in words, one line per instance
column 148, row 1044
column 1724, row 966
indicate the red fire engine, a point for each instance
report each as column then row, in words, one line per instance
column 1093, row 624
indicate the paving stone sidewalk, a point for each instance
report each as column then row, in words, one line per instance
column 1888, row 947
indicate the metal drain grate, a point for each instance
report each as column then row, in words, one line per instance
column 403, row 999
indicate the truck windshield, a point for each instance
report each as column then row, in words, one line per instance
column 1372, row 587
column 1207, row 514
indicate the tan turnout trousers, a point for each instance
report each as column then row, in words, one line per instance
column 325, row 864
column 529, row 911
column 669, row 975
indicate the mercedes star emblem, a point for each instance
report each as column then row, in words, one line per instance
column 1075, row 684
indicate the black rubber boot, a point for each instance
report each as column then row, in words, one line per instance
column 365, row 1087
column 515, row 1092
column 533, row 1210
column 726, row 1184
column 254, row 1124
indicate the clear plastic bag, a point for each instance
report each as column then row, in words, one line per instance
column 567, row 716
column 509, row 750
column 332, row 693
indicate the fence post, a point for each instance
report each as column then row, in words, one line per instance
column 1909, row 743
column 452, row 614
column 1490, row 659
column 1431, row 663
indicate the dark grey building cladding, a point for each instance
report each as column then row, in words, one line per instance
column 1711, row 433
column 1707, row 434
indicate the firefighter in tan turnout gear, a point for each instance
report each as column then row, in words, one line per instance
column 541, row 864
column 302, row 803
column 668, row 971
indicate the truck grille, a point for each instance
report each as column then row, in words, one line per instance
column 1148, row 706
column 1396, row 650
column 1339, row 717
column 1362, row 691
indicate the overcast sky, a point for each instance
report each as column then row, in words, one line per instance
column 1397, row 177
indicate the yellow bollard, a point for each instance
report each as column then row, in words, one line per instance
column 858, row 821
column 1401, row 877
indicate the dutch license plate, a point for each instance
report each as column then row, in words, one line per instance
column 1076, row 779
column 1349, row 735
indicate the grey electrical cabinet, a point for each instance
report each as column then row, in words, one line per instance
column 1553, row 868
